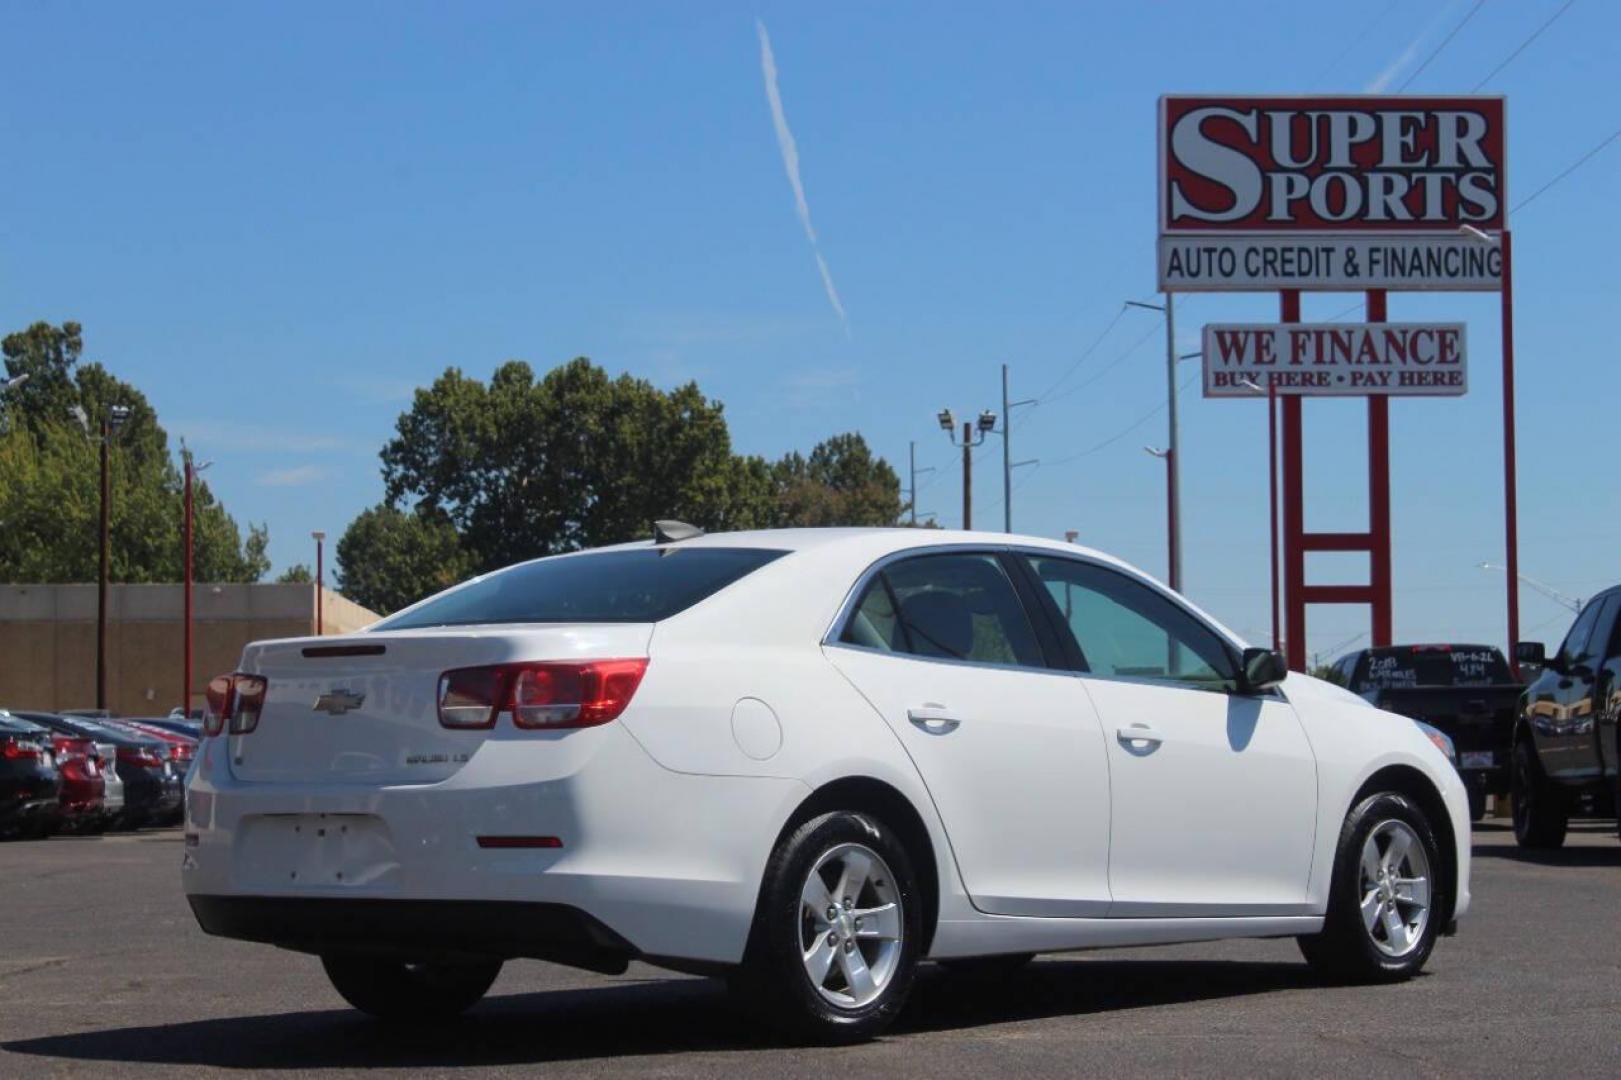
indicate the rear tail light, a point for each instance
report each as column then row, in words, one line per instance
column 234, row 700
column 145, row 757
column 66, row 746
column 14, row 749
column 539, row 695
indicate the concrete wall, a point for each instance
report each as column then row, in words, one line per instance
column 48, row 639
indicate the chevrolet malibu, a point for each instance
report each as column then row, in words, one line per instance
column 806, row 760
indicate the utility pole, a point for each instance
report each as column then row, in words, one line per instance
column 1172, row 454
column 192, row 469
column 985, row 425
column 320, row 582
column 111, row 421
column 1008, row 464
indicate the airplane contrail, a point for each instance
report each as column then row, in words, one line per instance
column 790, row 164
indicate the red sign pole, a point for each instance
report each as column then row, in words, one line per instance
column 1379, row 568
column 1511, row 498
column 1272, row 472
column 1294, row 510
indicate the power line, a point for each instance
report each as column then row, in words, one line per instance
column 1583, row 160
column 1444, row 43
column 1111, row 365
column 1127, row 430
column 1367, row 28
column 1509, row 59
column 1090, row 349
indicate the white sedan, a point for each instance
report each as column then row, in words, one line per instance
column 806, row 760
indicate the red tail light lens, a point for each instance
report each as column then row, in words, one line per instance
column 13, row 749
column 540, row 695
column 235, row 700
column 143, row 756
column 250, row 701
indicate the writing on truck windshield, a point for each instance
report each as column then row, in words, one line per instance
column 1464, row 665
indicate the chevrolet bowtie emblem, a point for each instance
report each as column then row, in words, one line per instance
column 338, row 702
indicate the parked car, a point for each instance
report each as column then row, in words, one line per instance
column 191, row 729
column 30, row 785
column 151, row 787
column 1466, row 691
column 180, row 748
column 92, row 797
column 1565, row 747
column 808, row 759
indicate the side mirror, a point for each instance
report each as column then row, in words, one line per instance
column 1262, row 670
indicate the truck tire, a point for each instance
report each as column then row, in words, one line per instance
column 1540, row 813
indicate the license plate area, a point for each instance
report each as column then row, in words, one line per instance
column 293, row 852
column 1476, row 759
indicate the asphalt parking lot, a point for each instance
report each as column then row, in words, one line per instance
column 104, row 973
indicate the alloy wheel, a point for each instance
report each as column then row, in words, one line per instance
column 1395, row 888
column 850, row 925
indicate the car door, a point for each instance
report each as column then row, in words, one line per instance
column 1565, row 727
column 1214, row 793
column 946, row 651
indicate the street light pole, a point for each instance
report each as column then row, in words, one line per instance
column 320, row 583
column 985, row 425
column 1173, row 458
column 192, row 469
column 101, row 575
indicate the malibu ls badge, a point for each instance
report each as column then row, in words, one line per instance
column 338, row 701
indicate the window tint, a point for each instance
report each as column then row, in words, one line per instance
column 952, row 606
column 639, row 585
column 1125, row 628
column 1575, row 649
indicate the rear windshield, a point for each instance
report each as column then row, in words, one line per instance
column 1453, row 665
column 640, row 585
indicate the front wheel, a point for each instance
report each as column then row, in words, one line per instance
column 835, row 942
column 1385, row 899
column 399, row 991
column 1540, row 815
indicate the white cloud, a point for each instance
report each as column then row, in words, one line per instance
column 213, row 437
column 297, row 476
column 790, row 164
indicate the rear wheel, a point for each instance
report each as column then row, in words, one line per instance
column 1385, row 899
column 396, row 990
column 1540, row 814
column 834, row 948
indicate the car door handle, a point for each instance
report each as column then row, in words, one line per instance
column 933, row 719
column 1139, row 733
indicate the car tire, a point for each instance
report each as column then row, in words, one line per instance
column 987, row 968
column 1540, row 814
column 1477, row 803
column 394, row 990
column 833, row 951
column 1386, row 899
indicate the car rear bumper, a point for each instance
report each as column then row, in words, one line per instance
column 667, row 864
column 418, row 929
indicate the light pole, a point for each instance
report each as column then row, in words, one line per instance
column 111, row 422
column 985, row 425
column 192, row 469
column 1564, row 600
column 1008, row 464
column 911, row 492
column 320, row 581
column 1172, row 457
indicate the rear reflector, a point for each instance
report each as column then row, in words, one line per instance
column 14, row 749
column 519, row 842
column 539, row 695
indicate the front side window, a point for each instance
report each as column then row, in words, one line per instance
column 950, row 607
column 628, row 586
column 1125, row 629
column 1575, row 651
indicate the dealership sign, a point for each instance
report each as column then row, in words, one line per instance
column 1335, row 359
column 1330, row 192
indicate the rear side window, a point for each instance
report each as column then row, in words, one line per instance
column 640, row 585
column 950, row 607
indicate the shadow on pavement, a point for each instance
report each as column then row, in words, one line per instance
column 657, row 1017
column 1600, row 854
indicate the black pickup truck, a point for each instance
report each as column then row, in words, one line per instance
column 1565, row 737
column 1467, row 691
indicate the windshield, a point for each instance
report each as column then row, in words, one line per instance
column 1436, row 665
column 632, row 586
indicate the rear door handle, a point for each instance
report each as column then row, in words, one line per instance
column 933, row 719
column 1139, row 733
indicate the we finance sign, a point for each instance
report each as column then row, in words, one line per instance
column 1330, row 192
column 1335, row 359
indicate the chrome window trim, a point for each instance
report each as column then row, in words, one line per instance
column 832, row 637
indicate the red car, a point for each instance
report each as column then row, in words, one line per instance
column 83, row 795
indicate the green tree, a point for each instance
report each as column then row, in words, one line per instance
column 50, row 475
column 388, row 558
column 297, row 574
column 840, row 483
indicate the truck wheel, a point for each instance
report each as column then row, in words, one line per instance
column 1540, row 813
column 835, row 942
column 1477, row 803
column 1386, row 897
column 397, row 991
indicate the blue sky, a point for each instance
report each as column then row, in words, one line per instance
column 279, row 219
